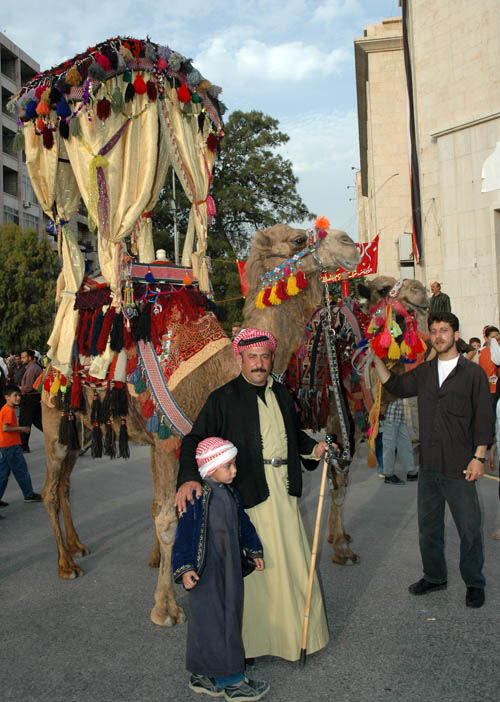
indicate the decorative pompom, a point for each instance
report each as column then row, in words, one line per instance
column 103, row 109
column 204, row 85
column 281, row 291
column 54, row 387
column 377, row 348
column 164, row 52
column 117, row 102
column 291, row 286
column 63, row 110
column 48, row 138
column 212, row 142
column 104, row 62
column 396, row 329
column 195, row 98
column 96, row 71
column 273, row 298
column 31, row 109
column 187, row 280
column 39, row 90
column 18, row 143
column 112, row 57
column 194, row 77
column 64, row 129
column 135, row 376
column 385, row 338
column 187, row 108
column 129, row 93
column 266, row 296
column 322, row 233
column 322, row 223
column 222, row 108
column 183, row 92
column 420, row 346
column 405, row 349
column 258, row 302
column 140, row 386
column 139, row 85
column 126, row 53
column 163, row 431
column 149, row 52
column 149, row 277
column 394, row 352
column 42, row 108
column 55, row 96
column 148, row 408
column 175, row 60
column 151, row 90
column 120, row 63
column 127, row 77
column 153, row 424
column 301, row 280
column 162, row 64
column 214, row 91
column 73, row 76
column 74, row 127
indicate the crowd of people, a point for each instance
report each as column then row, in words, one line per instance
column 20, row 409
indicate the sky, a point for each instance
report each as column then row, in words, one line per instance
column 290, row 59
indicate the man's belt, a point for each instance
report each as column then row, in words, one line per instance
column 276, row 461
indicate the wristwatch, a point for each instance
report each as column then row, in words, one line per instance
column 483, row 460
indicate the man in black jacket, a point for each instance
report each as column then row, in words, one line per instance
column 455, row 426
column 258, row 416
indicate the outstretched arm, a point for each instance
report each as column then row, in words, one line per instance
column 382, row 371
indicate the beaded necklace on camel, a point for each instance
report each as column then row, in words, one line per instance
column 288, row 278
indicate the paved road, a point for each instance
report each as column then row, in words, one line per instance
column 91, row 640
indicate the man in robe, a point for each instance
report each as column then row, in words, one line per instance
column 258, row 416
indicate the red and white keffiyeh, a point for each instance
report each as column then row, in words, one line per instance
column 212, row 453
column 252, row 338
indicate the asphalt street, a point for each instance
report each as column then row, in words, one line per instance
column 91, row 639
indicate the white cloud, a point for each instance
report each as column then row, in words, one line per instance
column 335, row 9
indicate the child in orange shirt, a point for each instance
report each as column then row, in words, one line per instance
column 11, row 454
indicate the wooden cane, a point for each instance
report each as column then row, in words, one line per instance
column 312, row 567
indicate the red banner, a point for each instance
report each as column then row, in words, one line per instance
column 243, row 277
column 367, row 265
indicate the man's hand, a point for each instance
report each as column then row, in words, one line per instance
column 259, row 563
column 25, row 430
column 189, row 579
column 474, row 470
column 383, row 373
column 185, row 492
column 320, row 448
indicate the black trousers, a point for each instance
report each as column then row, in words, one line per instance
column 30, row 412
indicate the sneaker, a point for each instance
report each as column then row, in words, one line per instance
column 380, row 475
column 412, row 476
column 35, row 497
column 393, row 480
column 423, row 586
column 202, row 683
column 474, row 597
column 246, row 690
column 3, row 504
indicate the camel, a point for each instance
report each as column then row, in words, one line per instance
column 270, row 247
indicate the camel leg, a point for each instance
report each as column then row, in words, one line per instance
column 342, row 553
column 57, row 456
column 166, row 612
column 154, row 560
column 73, row 543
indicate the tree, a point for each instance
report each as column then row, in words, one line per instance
column 254, row 187
column 28, row 275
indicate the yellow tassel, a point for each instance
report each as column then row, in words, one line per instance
column 54, row 388
column 394, row 351
column 372, row 460
column 404, row 348
column 258, row 302
column 273, row 298
column 373, row 420
column 291, row 286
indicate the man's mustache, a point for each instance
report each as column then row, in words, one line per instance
column 258, row 370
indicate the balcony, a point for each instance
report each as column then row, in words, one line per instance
column 8, row 63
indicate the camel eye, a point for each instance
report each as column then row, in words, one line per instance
column 300, row 241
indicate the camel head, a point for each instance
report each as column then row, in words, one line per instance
column 275, row 245
column 412, row 295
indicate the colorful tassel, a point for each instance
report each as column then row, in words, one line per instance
column 385, row 338
column 163, row 431
column 75, row 129
column 265, row 298
column 18, row 143
column 394, row 352
column 273, row 298
column 183, row 92
column 123, row 448
column 140, row 386
column 96, row 446
column 153, row 424
column 291, row 286
column 73, row 76
column 42, row 108
column 129, row 93
column 301, row 280
column 117, row 101
column 47, row 138
column 139, row 85
column 64, row 129
column 110, row 440
column 281, row 291
column 151, row 90
column 258, row 302
column 103, row 109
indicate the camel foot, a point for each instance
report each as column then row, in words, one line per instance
column 70, row 572
column 162, row 618
column 79, row 551
column 353, row 559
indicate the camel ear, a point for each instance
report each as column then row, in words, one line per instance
column 262, row 239
column 363, row 291
column 385, row 290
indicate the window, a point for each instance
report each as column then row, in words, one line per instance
column 30, row 222
column 28, row 192
column 10, row 214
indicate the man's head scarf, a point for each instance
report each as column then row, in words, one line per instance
column 253, row 338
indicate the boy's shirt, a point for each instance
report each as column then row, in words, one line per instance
column 8, row 438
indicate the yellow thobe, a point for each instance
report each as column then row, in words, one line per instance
column 274, row 602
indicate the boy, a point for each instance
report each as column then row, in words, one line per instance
column 215, row 539
column 11, row 454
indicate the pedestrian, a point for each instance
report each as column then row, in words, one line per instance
column 397, row 438
column 11, row 455
column 18, row 370
column 487, row 361
column 214, row 537
column 456, row 425
column 30, row 409
column 439, row 302
column 257, row 414
column 494, row 457
column 475, row 344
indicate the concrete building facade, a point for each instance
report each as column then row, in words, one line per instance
column 456, row 75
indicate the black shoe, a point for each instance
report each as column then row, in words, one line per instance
column 411, row 476
column 3, row 504
column 474, row 597
column 205, row 685
column 423, row 586
column 393, row 480
column 35, row 497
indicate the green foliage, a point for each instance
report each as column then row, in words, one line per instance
column 28, row 274
column 254, row 187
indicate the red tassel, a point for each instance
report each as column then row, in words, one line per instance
column 76, row 391
column 377, row 348
column 151, row 90
column 301, row 280
column 183, row 92
column 48, row 138
column 131, row 366
column 104, row 62
column 281, row 290
column 212, row 142
column 107, row 322
column 103, row 109
column 265, row 299
column 148, row 409
column 140, row 85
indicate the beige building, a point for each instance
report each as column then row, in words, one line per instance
column 456, row 82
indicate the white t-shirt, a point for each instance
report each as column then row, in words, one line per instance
column 445, row 368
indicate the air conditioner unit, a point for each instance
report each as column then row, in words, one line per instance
column 26, row 204
column 406, row 247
